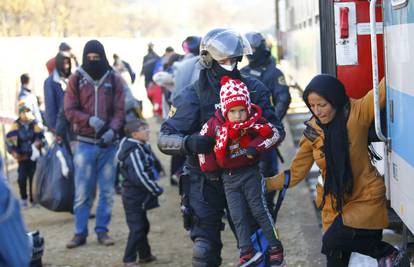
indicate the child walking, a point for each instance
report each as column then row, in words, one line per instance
column 241, row 134
column 140, row 191
column 25, row 133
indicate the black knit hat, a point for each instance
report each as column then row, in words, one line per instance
column 133, row 126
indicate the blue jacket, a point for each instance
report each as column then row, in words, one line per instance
column 273, row 78
column 193, row 106
column 54, row 95
column 15, row 250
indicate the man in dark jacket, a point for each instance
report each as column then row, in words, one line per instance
column 94, row 105
column 148, row 65
column 54, row 90
column 203, row 199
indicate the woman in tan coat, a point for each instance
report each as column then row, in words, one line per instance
column 352, row 196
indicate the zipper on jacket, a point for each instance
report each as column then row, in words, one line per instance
column 96, row 103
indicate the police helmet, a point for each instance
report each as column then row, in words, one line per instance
column 219, row 44
column 255, row 39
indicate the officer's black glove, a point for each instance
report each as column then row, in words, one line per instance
column 199, row 144
column 251, row 152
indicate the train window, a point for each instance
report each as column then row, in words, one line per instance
column 398, row 3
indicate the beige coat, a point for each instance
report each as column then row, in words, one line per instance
column 365, row 207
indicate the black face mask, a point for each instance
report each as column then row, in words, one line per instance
column 220, row 72
column 95, row 68
column 259, row 58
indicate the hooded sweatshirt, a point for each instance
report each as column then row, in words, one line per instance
column 137, row 164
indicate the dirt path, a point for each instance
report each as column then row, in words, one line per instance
column 298, row 228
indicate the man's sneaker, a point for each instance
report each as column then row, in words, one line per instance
column 130, row 264
column 105, row 239
column 76, row 241
column 148, row 259
column 398, row 258
column 276, row 256
column 250, row 258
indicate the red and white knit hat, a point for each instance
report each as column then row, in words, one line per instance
column 233, row 93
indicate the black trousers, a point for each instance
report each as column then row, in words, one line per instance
column 138, row 225
column 26, row 170
column 339, row 241
column 177, row 163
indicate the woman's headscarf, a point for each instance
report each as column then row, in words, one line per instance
column 339, row 178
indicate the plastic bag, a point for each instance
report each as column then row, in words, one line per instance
column 53, row 183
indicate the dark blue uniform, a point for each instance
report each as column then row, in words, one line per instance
column 274, row 79
column 192, row 107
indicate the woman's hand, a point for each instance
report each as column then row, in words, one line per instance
column 273, row 184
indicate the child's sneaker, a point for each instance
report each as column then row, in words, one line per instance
column 276, row 256
column 250, row 258
column 148, row 259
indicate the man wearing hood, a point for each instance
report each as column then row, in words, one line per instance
column 94, row 106
column 54, row 89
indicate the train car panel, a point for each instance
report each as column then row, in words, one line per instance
column 399, row 39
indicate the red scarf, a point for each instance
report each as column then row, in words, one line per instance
column 237, row 130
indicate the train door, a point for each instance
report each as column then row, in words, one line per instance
column 399, row 39
column 346, row 51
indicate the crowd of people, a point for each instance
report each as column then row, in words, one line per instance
column 222, row 125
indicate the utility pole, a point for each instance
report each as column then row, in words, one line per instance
column 277, row 31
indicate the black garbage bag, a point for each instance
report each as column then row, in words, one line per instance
column 53, row 185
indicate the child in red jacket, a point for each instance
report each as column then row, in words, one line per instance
column 241, row 134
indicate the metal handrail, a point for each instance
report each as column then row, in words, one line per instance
column 374, row 55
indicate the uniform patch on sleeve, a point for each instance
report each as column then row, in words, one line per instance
column 281, row 80
column 172, row 111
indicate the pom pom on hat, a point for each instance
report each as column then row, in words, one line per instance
column 224, row 80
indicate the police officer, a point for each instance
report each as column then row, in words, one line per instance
column 220, row 50
column 262, row 66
